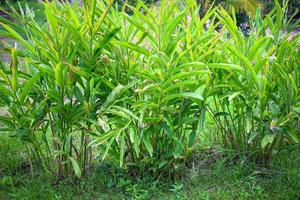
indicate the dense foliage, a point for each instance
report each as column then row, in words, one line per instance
column 13, row 1
column 94, row 83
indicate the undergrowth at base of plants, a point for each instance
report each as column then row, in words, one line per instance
column 213, row 177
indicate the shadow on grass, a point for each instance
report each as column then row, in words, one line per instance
column 208, row 174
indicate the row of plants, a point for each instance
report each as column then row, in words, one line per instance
column 95, row 84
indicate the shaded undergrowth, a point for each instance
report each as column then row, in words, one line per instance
column 209, row 173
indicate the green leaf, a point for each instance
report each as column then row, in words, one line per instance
column 258, row 45
column 59, row 77
column 76, row 33
column 122, row 150
column 6, row 91
column 67, row 146
column 108, row 147
column 102, row 17
column 106, row 136
column 14, row 69
column 178, row 149
column 181, row 84
column 7, row 129
column 253, row 135
column 105, row 40
column 78, row 94
column 267, row 140
column 8, row 121
column 134, row 22
column 293, row 135
column 221, row 114
column 16, row 36
column 113, row 133
column 76, row 167
column 225, row 66
column 192, row 95
column 111, row 97
column 162, row 163
column 297, row 109
column 133, row 47
column 28, row 86
column 234, row 95
column 180, row 76
column 248, row 122
column 148, row 144
column 171, row 26
column 51, row 20
column 202, row 119
column 136, row 144
column 80, row 71
column 122, row 112
column 192, row 138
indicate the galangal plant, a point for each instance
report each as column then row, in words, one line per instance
column 69, row 87
column 23, row 107
column 256, row 107
column 166, row 109
column 93, row 82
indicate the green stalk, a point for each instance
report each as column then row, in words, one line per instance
column 29, row 158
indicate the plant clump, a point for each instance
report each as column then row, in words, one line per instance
column 94, row 83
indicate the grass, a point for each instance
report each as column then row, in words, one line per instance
column 214, row 178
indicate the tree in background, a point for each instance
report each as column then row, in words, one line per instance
column 293, row 7
column 247, row 6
